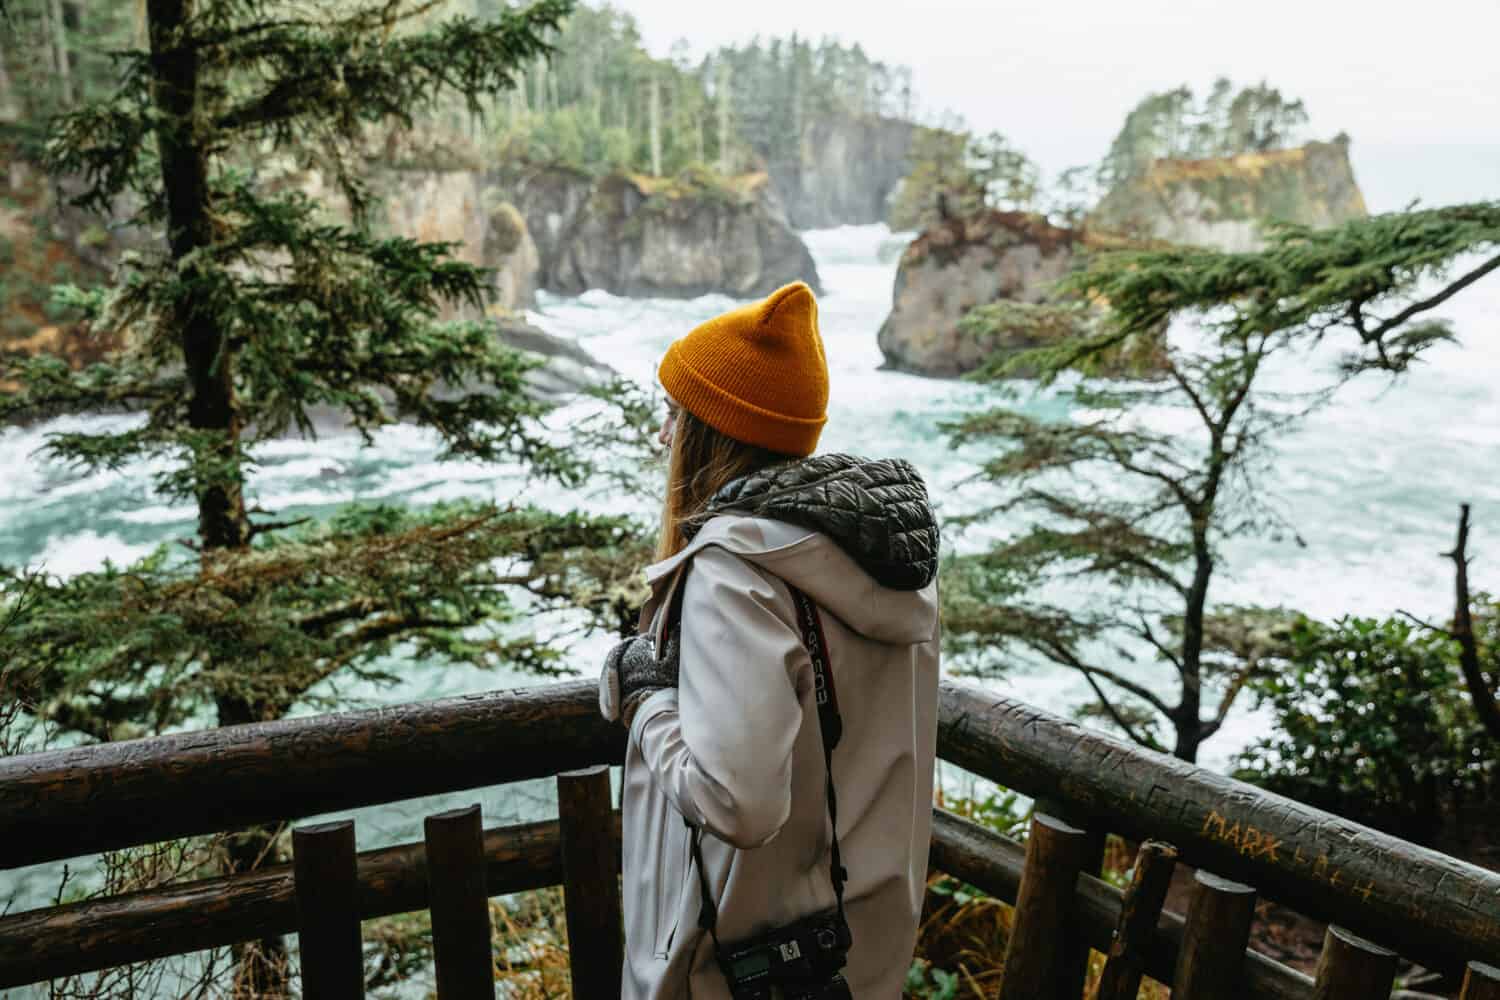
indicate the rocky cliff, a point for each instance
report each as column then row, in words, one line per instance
column 455, row 206
column 555, row 227
column 965, row 263
column 845, row 171
column 681, row 237
column 980, row 288
column 1222, row 202
column 550, row 198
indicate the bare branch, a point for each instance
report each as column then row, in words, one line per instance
column 266, row 526
column 1425, row 623
column 1065, row 655
column 1236, row 685
column 1161, row 648
column 1114, row 714
column 1190, row 392
column 1386, row 326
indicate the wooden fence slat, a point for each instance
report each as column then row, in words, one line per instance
column 1075, row 962
column 1040, row 936
column 460, row 906
column 985, row 859
column 1218, row 931
column 332, row 962
column 1481, row 982
column 1140, row 908
column 95, row 934
column 591, row 887
column 1351, row 968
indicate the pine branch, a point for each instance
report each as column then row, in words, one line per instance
column 338, row 76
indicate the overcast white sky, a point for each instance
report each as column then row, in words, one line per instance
column 1416, row 84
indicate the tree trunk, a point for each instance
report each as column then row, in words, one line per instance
column 723, row 95
column 1188, row 719
column 261, row 965
column 61, row 64
column 1486, row 706
column 222, row 521
column 223, row 524
column 9, row 111
column 655, row 110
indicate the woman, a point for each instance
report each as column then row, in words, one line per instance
column 726, row 746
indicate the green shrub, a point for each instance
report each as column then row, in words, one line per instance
column 1371, row 721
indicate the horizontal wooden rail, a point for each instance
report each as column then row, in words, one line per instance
column 215, row 912
column 1433, row 908
column 65, row 803
column 991, row 862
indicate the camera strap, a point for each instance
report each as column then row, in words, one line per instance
column 830, row 723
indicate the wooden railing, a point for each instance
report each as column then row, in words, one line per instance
column 1384, row 896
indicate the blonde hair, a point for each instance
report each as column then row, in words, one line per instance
column 701, row 463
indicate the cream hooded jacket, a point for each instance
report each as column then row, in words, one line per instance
column 736, row 748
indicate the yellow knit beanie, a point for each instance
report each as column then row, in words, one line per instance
column 756, row 373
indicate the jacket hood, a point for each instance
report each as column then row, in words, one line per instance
column 859, row 537
column 876, row 511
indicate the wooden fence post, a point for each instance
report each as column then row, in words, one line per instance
column 460, row 905
column 1213, row 946
column 328, row 911
column 1481, row 982
column 1352, row 968
column 591, row 886
column 1041, row 935
column 1139, row 910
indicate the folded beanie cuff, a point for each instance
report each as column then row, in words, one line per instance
column 735, row 417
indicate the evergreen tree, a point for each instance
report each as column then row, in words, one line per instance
column 1140, row 516
column 1173, row 124
column 257, row 307
column 954, row 173
column 53, row 55
column 739, row 108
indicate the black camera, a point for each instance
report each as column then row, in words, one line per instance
column 801, row 961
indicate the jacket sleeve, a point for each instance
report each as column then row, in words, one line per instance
column 720, row 746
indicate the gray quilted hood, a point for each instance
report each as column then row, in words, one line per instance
column 876, row 511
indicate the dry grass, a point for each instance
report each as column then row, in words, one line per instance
column 967, row 934
column 530, row 943
column 964, row 934
column 1243, row 166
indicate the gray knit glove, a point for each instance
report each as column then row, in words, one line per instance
column 641, row 673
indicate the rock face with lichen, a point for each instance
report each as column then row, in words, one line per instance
column 681, row 238
column 1003, row 264
column 1222, row 202
column 456, row 206
column 676, row 237
column 846, row 167
column 550, row 198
